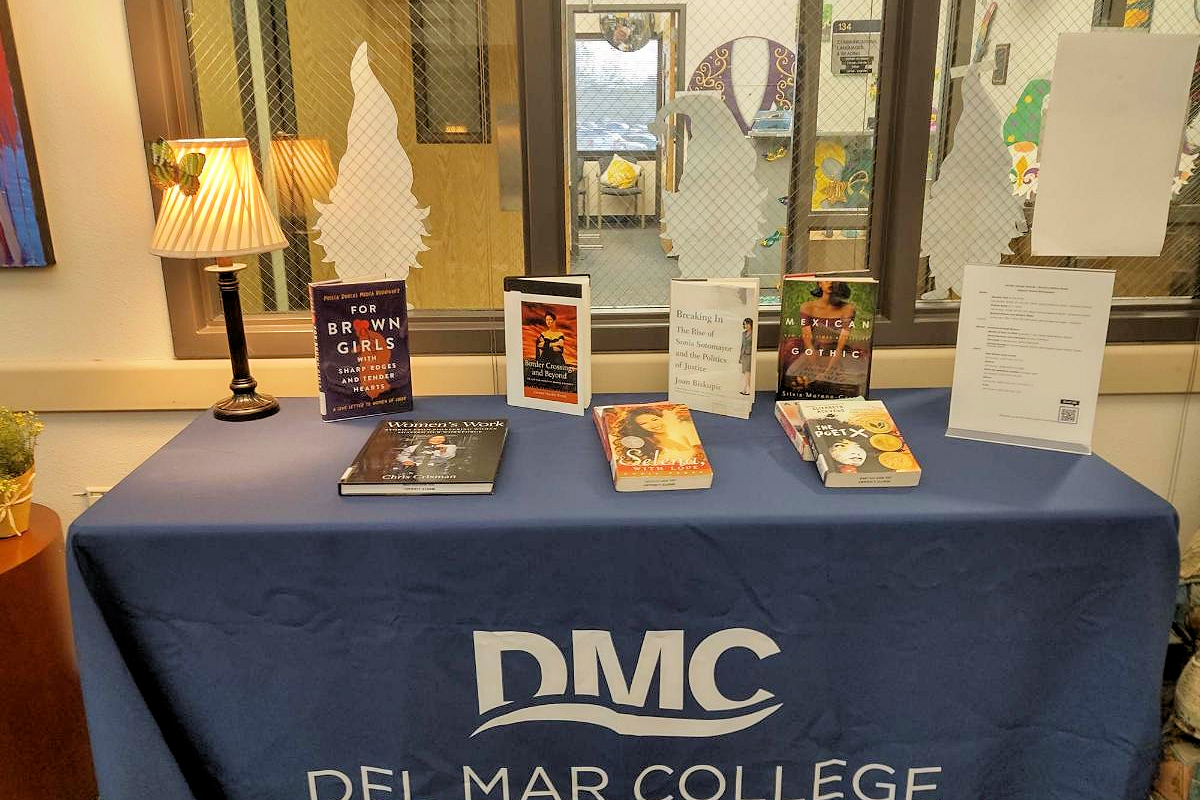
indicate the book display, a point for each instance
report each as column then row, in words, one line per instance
column 548, row 344
column 652, row 446
column 713, row 339
column 857, row 444
column 361, row 336
column 825, row 328
column 360, row 333
column 409, row 456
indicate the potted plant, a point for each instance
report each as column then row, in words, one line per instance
column 18, row 432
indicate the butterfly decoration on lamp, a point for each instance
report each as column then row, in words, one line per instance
column 167, row 171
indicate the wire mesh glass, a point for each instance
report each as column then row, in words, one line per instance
column 698, row 184
column 992, row 80
column 279, row 73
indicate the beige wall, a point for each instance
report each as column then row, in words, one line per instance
column 105, row 298
column 103, row 303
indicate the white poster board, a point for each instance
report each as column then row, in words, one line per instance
column 1030, row 348
column 1111, row 141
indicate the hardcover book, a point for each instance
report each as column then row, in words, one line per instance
column 713, row 340
column 360, row 333
column 825, row 327
column 548, row 343
column 413, row 456
column 858, row 444
column 787, row 412
column 652, row 446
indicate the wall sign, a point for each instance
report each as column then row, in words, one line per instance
column 855, row 46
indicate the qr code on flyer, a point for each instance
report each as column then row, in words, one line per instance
column 1068, row 414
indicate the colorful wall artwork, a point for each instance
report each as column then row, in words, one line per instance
column 1023, row 134
column 715, row 73
column 24, row 234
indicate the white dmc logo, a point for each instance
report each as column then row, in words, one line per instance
column 593, row 656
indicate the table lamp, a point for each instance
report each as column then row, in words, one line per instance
column 224, row 216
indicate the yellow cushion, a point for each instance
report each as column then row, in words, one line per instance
column 621, row 174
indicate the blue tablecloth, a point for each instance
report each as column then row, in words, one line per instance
column 996, row 632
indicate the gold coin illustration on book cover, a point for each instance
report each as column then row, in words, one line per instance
column 873, row 421
column 886, row 441
column 900, row 462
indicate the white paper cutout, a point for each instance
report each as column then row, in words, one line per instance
column 372, row 224
column 714, row 219
column 971, row 215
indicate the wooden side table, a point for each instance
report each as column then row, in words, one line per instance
column 44, row 750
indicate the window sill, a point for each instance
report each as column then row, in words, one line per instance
column 195, row 384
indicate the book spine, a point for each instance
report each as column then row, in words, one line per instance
column 605, row 442
column 312, row 304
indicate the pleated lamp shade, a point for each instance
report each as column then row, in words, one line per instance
column 303, row 169
column 229, row 215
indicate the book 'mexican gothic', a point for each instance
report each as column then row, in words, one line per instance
column 652, row 446
column 360, row 331
column 413, row 456
column 548, row 342
column 858, row 444
column 825, row 328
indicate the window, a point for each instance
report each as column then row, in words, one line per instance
column 278, row 72
column 992, row 67
column 508, row 111
column 616, row 97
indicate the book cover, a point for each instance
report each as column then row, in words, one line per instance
column 713, row 335
column 787, row 412
column 858, row 444
column 547, row 342
column 410, row 456
column 652, row 446
column 825, row 329
column 360, row 334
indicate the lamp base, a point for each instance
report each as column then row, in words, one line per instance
column 245, row 407
column 245, row 404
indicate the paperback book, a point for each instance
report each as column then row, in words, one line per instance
column 652, row 446
column 858, row 444
column 825, row 328
column 548, row 343
column 787, row 412
column 411, row 456
column 360, row 333
column 713, row 339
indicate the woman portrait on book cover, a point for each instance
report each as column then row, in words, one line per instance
column 670, row 439
column 551, row 343
column 747, row 353
column 827, row 322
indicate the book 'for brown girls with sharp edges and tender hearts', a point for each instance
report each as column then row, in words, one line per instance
column 858, row 444
column 825, row 327
column 652, row 446
column 360, row 332
column 440, row 456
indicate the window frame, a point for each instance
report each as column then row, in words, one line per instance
column 167, row 102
